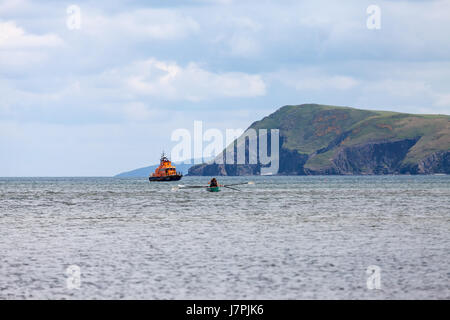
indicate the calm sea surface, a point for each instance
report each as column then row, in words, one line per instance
column 282, row 238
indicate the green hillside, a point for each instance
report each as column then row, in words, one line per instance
column 343, row 140
column 310, row 127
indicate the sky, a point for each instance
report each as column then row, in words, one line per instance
column 102, row 94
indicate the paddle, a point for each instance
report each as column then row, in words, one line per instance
column 194, row 187
column 238, row 184
column 180, row 186
column 231, row 188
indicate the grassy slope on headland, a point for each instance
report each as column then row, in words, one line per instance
column 311, row 127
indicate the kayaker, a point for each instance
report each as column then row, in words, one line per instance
column 213, row 183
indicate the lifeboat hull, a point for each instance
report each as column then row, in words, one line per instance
column 166, row 178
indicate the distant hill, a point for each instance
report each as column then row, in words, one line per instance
column 146, row 171
column 321, row 139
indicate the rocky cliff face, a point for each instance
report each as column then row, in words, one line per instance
column 369, row 158
column 319, row 139
column 438, row 162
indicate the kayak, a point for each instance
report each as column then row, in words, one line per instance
column 212, row 189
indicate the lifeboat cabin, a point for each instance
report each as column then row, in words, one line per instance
column 166, row 171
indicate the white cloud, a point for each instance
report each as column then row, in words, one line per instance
column 148, row 23
column 314, row 79
column 138, row 111
column 243, row 45
column 443, row 100
column 17, row 60
column 14, row 37
column 12, row 5
column 240, row 35
column 324, row 83
column 171, row 81
column 22, row 51
column 403, row 88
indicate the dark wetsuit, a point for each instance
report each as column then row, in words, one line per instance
column 213, row 183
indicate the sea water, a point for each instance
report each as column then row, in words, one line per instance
column 303, row 237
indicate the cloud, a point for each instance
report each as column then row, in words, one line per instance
column 208, row 57
column 242, row 36
column 402, row 88
column 20, row 49
column 12, row 6
column 313, row 79
column 159, row 24
column 172, row 81
column 243, row 45
column 384, row 85
column 443, row 100
column 14, row 37
column 139, row 111
column 331, row 82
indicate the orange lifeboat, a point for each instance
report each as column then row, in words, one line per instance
column 166, row 171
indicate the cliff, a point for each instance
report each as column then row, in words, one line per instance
column 320, row 139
